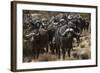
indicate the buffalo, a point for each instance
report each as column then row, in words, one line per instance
column 54, row 35
column 64, row 40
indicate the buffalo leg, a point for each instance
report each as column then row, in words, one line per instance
column 58, row 52
column 47, row 49
column 69, row 50
column 35, row 53
column 38, row 51
column 64, row 53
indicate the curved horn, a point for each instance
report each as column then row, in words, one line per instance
column 65, row 32
column 31, row 34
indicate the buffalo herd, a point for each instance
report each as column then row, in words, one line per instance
column 54, row 35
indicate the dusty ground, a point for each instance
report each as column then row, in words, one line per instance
column 83, row 51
